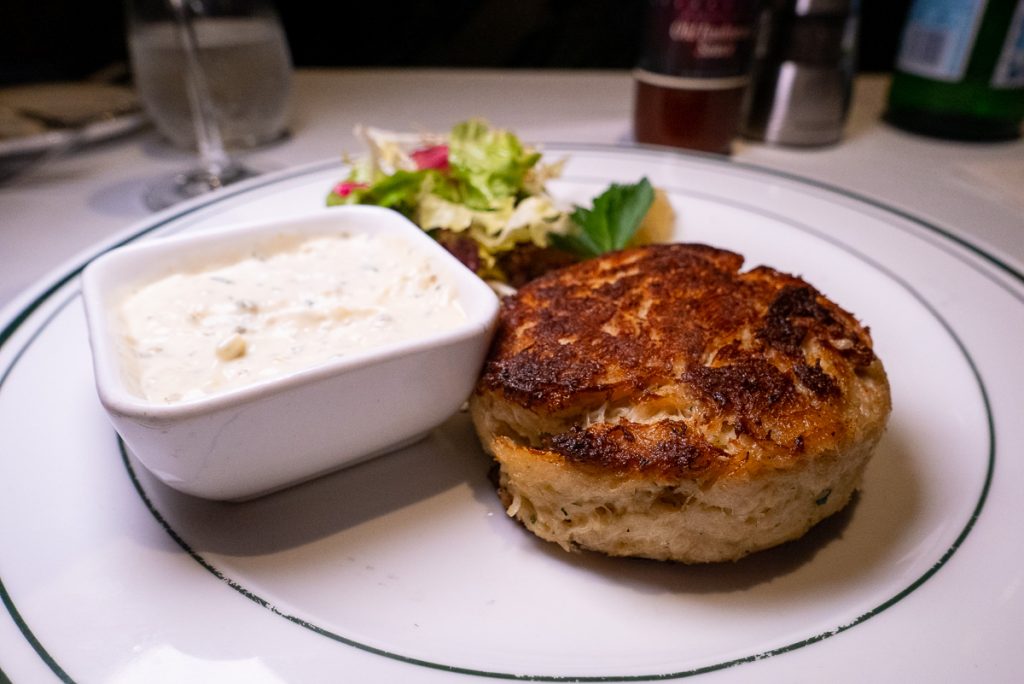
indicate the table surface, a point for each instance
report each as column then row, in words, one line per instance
column 966, row 622
column 52, row 212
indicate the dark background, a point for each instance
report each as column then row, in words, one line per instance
column 70, row 39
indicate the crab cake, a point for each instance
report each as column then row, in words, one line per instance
column 658, row 402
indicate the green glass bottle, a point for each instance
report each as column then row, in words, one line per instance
column 960, row 70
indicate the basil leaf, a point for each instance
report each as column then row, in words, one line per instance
column 611, row 223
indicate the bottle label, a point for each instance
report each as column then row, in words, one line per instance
column 1009, row 72
column 700, row 38
column 938, row 38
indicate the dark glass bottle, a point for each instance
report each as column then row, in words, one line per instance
column 960, row 70
column 693, row 73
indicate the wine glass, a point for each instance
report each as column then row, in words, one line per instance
column 211, row 74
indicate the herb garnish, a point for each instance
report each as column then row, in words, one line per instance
column 612, row 221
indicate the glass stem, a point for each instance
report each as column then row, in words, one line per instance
column 212, row 155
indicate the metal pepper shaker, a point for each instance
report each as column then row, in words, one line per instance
column 802, row 72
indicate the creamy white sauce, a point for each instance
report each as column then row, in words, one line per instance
column 291, row 305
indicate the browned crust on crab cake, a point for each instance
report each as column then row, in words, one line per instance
column 660, row 402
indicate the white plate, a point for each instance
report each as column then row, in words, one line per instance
column 109, row 110
column 406, row 568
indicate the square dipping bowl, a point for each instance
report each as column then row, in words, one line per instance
column 249, row 441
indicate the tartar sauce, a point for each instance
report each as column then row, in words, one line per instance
column 289, row 305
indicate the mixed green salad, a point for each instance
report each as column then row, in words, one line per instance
column 481, row 192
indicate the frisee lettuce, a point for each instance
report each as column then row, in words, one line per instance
column 487, row 165
column 476, row 180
